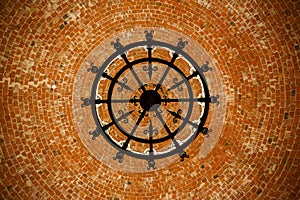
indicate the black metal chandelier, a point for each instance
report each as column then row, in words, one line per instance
column 149, row 100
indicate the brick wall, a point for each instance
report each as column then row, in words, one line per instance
column 46, row 45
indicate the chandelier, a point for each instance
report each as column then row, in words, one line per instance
column 149, row 100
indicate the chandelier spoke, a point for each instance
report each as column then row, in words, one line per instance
column 177, row 84
column 166, row 72
column 177, row 115
column 100, row 101
column 186, row 100
column 123, row 85
column 129, row 64
column 123, row 116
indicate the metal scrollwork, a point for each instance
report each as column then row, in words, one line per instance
column 177, row 116
column 141, row 88
column 214, row 99
column 150, row 130
column 151, row 164
column 155, row 68
column 95, row 134
column 146, row 114
column 165, row 97
column 135, row 103
column 117, row 45
column 150, row 70
column 206, row 131
column 183, row 155
column 86, row 102
column 119, row 156
column 181, row 44
column 149, row 35
column 162, row 90
column 125, row 120
column 94, row 69
column 154, row 85
column 205, row 67
column 179, row 88
column 125, row 80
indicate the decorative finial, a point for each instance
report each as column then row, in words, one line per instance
column 205, row 67
column 95, row 134
column 119, row 156
column 214, row 99
column 149, row 35
column 117, row 44
column 151, row 164
column 86, row 102
column 181, row 44
column 183, row 155
column 205, row 131
column 94, row 69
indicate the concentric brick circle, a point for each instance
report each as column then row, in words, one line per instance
column 254, row 49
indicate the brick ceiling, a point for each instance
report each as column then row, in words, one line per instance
column 255, row 48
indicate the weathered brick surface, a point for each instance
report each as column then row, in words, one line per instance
column 255, row 47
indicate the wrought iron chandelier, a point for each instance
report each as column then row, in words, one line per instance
column 149, row 100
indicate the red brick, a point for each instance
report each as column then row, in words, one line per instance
column 252, row 44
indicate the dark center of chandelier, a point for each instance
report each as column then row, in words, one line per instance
column 150, row 100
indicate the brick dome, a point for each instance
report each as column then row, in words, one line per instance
column 252, row 151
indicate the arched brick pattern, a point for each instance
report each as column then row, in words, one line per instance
column 255, row 47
